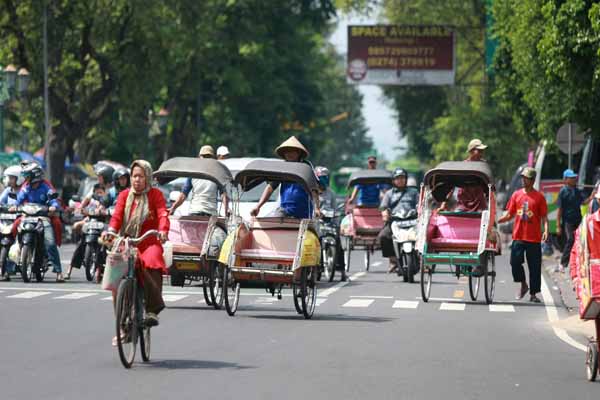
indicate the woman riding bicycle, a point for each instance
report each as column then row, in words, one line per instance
column 140, row 209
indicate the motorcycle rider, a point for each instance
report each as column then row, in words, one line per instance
column 104, row 172
column 121, row 181
column 13, row 181
column 37, row 190
column 399, row 198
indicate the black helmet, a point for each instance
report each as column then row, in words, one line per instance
column 32, row 173
column 399, row 172
column 105, row 171
column 119, row 172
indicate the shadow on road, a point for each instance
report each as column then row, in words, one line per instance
column 193, row 364
column 190, row 307
column 327, row 317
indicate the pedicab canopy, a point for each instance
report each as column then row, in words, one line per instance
column 259, row 171
column 196, row 168
column 450, row 174
column 370, row 177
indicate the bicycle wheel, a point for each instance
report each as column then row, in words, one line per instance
column 231, row 292
column 145, row 341
column 126, row 322
column 591, row 362
column 216, row 288
column 348, row 251
column 309, row 291
column 206, row 290
column 297, row 294
column 474, row 286
column 426, row 276
column 489, row 276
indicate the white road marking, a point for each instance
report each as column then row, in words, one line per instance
column 452, row 307
column 358, row 303
column 320, row 301
column 27, row 295
column 265, row 300
column 170, row 298
column 405, row 304
column 329, row 291
column 106, row 298
column 76, row 296
column 553, row 318
column 165, row 292
column 201, row 302
column 377, row 263
column 371, row 297
column 502, row 308
column 443, row 299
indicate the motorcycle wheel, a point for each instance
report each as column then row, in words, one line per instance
column 88, row 261
column 3, row 261
column 405, row 269
column 329, row 264
column 412, row 266
column 25, row 263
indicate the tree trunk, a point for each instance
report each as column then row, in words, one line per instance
column 56, row 158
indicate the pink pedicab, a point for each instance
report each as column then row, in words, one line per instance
column 195, row 240
column 363, row 224
column 465, row 241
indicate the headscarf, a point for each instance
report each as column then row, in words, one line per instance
column 132, row 221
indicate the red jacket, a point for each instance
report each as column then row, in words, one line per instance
column 150, row 250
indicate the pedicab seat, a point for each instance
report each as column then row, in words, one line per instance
column 453, row 233
column 269, row 241
column 187, row 233
column 367, row 220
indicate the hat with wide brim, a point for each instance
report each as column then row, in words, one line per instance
column 476, row 144
column 292, row 144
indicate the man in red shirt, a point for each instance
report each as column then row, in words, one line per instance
column 531, row 211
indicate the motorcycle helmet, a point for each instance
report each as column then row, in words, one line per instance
column 15, row 171
column 322, row 174
column 32, row 172
column 120, row 172
column 105, row 171
column 399, row 172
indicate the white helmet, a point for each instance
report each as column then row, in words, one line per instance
column 14, row 170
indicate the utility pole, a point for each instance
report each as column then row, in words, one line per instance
column 46, row 105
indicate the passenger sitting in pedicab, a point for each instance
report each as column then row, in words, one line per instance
column 294, row 201
column 400, row 198
column 204, row 201
column 368, row 195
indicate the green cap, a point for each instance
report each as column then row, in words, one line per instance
column 529, row 172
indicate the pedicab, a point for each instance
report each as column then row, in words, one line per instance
column 278, row 251
column 194, row 257
column 465, row 241
column 363, row 223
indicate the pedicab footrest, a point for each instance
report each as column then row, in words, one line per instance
column 448, row 244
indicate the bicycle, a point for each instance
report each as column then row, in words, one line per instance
column 130, row 310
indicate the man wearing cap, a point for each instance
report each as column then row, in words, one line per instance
column 367, row 195
column 222, row 153
column 204, row 192
column 294, row 202
column 530, row 210
column 570, row 200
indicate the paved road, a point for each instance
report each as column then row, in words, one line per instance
column 372, row 338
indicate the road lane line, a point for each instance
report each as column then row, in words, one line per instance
column 458, row 294
column 27, row 295
column 452, row 307
column 329, row 291
column 371, row 297
column 502, row 308
column 320, row 301
column 377, row 263
column 171, row 298
column 165, row 292
column 552, row 314
column 443, row 299
column 106, row 298
column 405, row 304
column 358, row 303
column 75, row 296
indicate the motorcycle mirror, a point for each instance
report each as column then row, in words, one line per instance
column 53, row 196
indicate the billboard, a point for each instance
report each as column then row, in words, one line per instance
column 400, row 55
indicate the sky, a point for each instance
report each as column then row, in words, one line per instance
column 380, row 118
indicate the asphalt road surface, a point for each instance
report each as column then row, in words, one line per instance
column 372, row 338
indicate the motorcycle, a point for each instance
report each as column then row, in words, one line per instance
column 404, row 236
column 7, row 220
column 328, row 235
column 95, row 253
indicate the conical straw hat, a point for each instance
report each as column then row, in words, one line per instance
column 292, row 143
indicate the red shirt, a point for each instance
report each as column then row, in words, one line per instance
column 529, row 209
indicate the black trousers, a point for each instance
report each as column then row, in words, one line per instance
column 569, row 232
column 533, row 252
column 79, row 253
column 385, row 239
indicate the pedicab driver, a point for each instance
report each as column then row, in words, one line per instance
column 368, row 195
column 400, row 199
column 530, row 210
column 294, row 201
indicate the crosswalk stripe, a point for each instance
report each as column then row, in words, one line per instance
column 358, row 303
column 405, row 304
column 75, row 296
column 452, row 307
column 320, row 301
column 265, row 300
column 27, row 295
column 106, row 298
column 170, row 298
column 502, row 308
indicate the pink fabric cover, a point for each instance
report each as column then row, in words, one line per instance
column 453, row 231
column 272, row 244
column 187, row 232
column 367, row 220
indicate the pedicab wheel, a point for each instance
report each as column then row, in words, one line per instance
column 145, row 343
column 308, row 291
column 126, row 326
column 231, row 292
column 489, row 276
column 474, row 282
column 348, row 251
column 591, row 361
column 426, row 277
column 367, row 258
column 216, row 288
column 297, row 294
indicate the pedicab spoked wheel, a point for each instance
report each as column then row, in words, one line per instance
column 216, row 287
column 489, row 276
column 308, row 291
column 425, row 281
column 206, row 290
column 231, row 292
column 591, row 361
column 127, row 326
column 367, row 258
column 297, row 295
column 474, row 283
column 348, row 251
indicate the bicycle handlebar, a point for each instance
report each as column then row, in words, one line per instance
column 135, row 241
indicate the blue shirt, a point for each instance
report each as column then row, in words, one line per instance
column 368, row 195
column 39, row 196
column 112, row 196
column 570, row 200
column 295, row 201
column 5, row 200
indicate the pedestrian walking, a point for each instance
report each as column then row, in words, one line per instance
column 530, row 210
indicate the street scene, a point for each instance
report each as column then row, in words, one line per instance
column 325, row 199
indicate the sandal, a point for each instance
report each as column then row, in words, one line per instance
column 522, row 292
